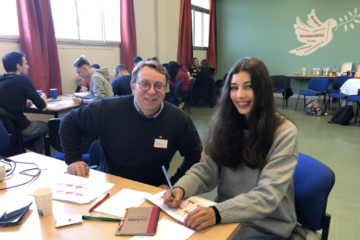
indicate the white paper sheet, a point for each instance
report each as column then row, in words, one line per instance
column 118, row 203
column 186, row 206
column 168, row 230
column 70, row 188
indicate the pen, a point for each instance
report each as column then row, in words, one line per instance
column 91, row 167
column 168, row 180
column 122, row 220
column 101, row 219
column 99, row 202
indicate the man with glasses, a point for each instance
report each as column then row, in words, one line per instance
column 138, row 133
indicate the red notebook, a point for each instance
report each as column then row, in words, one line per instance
column 139, row 221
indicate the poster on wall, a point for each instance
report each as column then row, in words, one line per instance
column 318, row 34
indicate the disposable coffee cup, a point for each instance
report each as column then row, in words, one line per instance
column 353, row 74
column 43, row 199
column 53, row 93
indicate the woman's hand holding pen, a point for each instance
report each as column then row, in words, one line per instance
column 172, row 202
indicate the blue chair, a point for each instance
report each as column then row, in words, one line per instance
column 356, row 99
column 95, row 153
column 5, row 140
column 177, row 90
column 280, row 84
column 319, row 85
column 335, row 92
column 313, row 182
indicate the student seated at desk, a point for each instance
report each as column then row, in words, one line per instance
column 99, row 81
column 15, row 90
column 85, row 84
column 138, row 133
column 121, row 84
column 250, row 156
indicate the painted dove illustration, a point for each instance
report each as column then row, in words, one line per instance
column 317, row 35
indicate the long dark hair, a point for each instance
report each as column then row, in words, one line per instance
column 225, row 142
column 173, row 69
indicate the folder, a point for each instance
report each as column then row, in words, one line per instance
column 140, row 221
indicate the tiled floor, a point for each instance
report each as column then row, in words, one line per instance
column 336, row 146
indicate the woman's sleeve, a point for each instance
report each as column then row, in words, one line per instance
column 201, row 177
column 273, row 184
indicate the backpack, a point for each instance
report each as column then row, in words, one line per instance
column 313, row 107
column 343, row 116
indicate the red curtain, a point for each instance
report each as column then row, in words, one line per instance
column 185, row 47
column 38, row 42
column 128, row 33
column 212, row 49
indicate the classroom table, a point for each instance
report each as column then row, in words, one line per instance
column 34, row 227
column 56, row 107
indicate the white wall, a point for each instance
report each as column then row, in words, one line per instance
column 157, row 28
column 200, row 54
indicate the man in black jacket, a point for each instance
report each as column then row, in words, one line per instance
column 138, row 133
column 15, row 90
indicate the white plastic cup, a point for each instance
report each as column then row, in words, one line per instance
column 43, row 199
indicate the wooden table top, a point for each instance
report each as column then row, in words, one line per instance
column 65, row 102
column 34, row 227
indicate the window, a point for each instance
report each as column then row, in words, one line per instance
column 8, row 15
column 87, row 20
column 200, row 23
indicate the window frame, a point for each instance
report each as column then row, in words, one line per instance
column 68, row 41
column 194, row 9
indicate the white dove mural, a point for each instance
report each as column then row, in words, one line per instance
column 318, row 34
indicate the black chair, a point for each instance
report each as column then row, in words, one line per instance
column 187, row 95
column 95, row 153
column 54, row 140
column 281, row 84
column 313, row 182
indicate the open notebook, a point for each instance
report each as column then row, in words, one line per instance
column 187, row 205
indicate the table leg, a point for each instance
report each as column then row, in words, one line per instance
column 56, row 115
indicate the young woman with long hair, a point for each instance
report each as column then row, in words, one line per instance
column 194, row 68
column 250, row 155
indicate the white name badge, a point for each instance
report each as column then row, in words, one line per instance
column 160, row 143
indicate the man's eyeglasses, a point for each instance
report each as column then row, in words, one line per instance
column 145, row 86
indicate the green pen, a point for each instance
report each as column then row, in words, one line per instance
column 101, row 219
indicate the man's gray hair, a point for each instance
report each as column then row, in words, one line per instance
column 152, row 64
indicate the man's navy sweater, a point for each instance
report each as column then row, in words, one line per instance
column 127, row 139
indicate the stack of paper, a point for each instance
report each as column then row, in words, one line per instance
column 124, row 199
column 78, row 190
column 168, row 230
column 186, row 206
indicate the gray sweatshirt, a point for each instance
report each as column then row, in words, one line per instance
column 262, row 196
column 99, row 85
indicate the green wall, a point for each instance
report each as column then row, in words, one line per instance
column 265, row 29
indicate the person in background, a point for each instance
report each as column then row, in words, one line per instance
column 204, row 87
column 250, row 155
column 136, row 60
column 121, row 84
column 195, row 68
column 15, row 90
column 178, row 72
column 99, row 81
column 207, row 71
column 85, row 84
column 138, row 133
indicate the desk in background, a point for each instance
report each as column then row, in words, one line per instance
column 299, row 82
column 34, row 227
column 55, row 108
